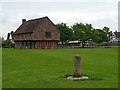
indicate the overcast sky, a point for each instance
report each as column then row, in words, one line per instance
column 98, row 13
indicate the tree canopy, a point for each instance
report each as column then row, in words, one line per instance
column 65, row 32
column 8, row 44
column 82, row 32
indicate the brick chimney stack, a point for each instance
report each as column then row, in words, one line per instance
column 23, row 21
column 12, row 32
column 8, row 36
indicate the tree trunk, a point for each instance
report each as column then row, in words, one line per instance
column 62, row 42
column 83, row 44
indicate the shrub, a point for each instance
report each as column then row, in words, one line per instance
column 8, row 44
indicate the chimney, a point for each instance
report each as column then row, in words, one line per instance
column 8, row 36
column 12, row 32
column 23, row 21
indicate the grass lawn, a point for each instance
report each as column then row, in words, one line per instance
column 47, row 68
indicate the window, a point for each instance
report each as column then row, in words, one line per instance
column 47, row 34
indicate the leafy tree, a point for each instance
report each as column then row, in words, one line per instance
column 95, row 35
column 106, row 29
column 8, row 44
column 99, row 36
column 82, row 32
column 65, row 32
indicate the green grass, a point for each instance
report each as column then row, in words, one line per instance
column 47, row 68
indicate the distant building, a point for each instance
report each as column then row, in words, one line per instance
column 74, row 43
column 78, row 43
column 38, row 33
column 114, row 37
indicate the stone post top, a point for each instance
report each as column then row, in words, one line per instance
column 77, row 55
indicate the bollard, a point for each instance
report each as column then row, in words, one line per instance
column 77, row 70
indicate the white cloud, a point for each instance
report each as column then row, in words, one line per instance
column 97, row 13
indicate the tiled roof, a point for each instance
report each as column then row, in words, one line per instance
column 30, row 25
column 117, row 34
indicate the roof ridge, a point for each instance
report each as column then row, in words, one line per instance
column 37, row 18
column 30, row 25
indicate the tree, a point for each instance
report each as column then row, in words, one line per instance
column 82, row 32
column 95, row 35
column 1, row 41
column 65, row 32
column 106, row 29
column 99, row 36
column 8, row 44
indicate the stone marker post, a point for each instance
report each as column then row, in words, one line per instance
column 77, row 71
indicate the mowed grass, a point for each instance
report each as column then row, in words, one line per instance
column 47, row 68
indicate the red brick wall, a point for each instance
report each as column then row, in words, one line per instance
column 45, row 44
column 27, row 36
column 46, row 26
column 38, row 35
column 37, row 44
